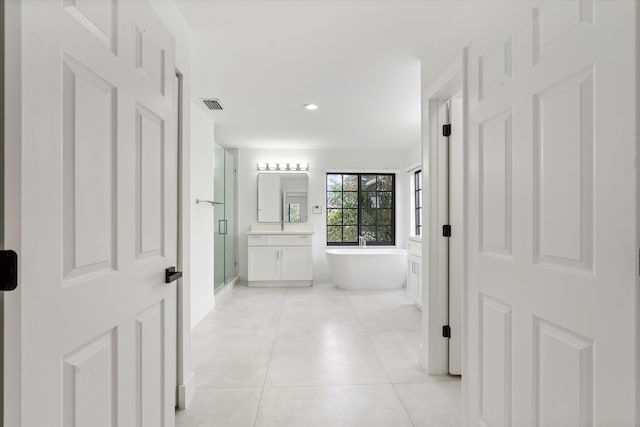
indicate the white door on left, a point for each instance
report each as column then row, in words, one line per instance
column 98, row 196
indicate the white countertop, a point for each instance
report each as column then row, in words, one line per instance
column 276, row 232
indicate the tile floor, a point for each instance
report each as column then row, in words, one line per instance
column 315, row 357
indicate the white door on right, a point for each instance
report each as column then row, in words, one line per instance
column 551, row 178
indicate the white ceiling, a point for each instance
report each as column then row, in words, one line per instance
column 358, row 60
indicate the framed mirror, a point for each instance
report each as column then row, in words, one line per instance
column 282, row 197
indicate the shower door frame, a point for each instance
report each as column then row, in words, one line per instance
column 222, row 217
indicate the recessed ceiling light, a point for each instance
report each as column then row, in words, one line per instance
column 310, row 107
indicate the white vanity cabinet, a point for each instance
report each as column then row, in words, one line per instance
column 414, row 273
column 264, row 263
column 280, row 259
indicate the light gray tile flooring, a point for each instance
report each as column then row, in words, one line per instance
column 315, row 357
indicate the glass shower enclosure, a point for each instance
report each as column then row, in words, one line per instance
column 226, row 229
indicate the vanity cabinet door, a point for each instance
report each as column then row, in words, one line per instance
column 411, row 280
column 418, row 284
column 414, row 280
column 296, row 263
column 264, row 263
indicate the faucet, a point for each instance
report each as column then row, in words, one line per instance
column 362, row 240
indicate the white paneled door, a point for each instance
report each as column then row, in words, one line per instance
column 551, row 250
column 99, row 216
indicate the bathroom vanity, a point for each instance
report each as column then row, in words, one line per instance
column 279, row 255
column 280, row 258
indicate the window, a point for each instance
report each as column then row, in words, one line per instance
column 417, row 201
column 361, row 204
column 294, row 213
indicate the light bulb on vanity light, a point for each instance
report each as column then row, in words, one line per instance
column 310, row 107
column 283, row 166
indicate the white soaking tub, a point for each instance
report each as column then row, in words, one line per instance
column 368, row 268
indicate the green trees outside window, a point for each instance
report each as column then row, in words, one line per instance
column 360, row 205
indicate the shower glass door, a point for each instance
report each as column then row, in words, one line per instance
column 219, row 220
column 231, row 237
column 226, row 234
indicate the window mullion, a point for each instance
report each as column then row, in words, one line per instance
column 359, row 205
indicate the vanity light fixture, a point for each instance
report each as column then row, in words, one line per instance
column 310, row 107
column 283, row 166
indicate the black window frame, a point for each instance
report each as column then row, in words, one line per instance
column 359, row 208
column 417, row 192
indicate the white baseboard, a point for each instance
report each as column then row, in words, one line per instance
column 280, row 284
column 186, row 392
column 198, row 313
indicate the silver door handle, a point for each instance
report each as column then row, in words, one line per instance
column 209, row 202
column 221, row 229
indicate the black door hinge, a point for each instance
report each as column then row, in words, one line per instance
column 446, row 230
column 446, row 130
column 446, row 331
column 8, row 270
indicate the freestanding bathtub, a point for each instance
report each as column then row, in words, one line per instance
column 368, row 268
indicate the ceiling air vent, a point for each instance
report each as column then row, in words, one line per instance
column 213, row 104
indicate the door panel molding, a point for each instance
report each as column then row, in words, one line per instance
column 496, row 374
column 90, row 170
column 564, row 164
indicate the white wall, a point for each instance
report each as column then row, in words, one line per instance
column 413, row 162
column 414, row 156
column 202, row 221
column 320, row 162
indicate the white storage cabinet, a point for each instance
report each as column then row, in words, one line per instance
column 414, row 273
column 280, row 260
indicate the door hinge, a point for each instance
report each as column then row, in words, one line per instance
column 8, row 270
column 446, row 230
column 446, row 331
column 446, row 130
